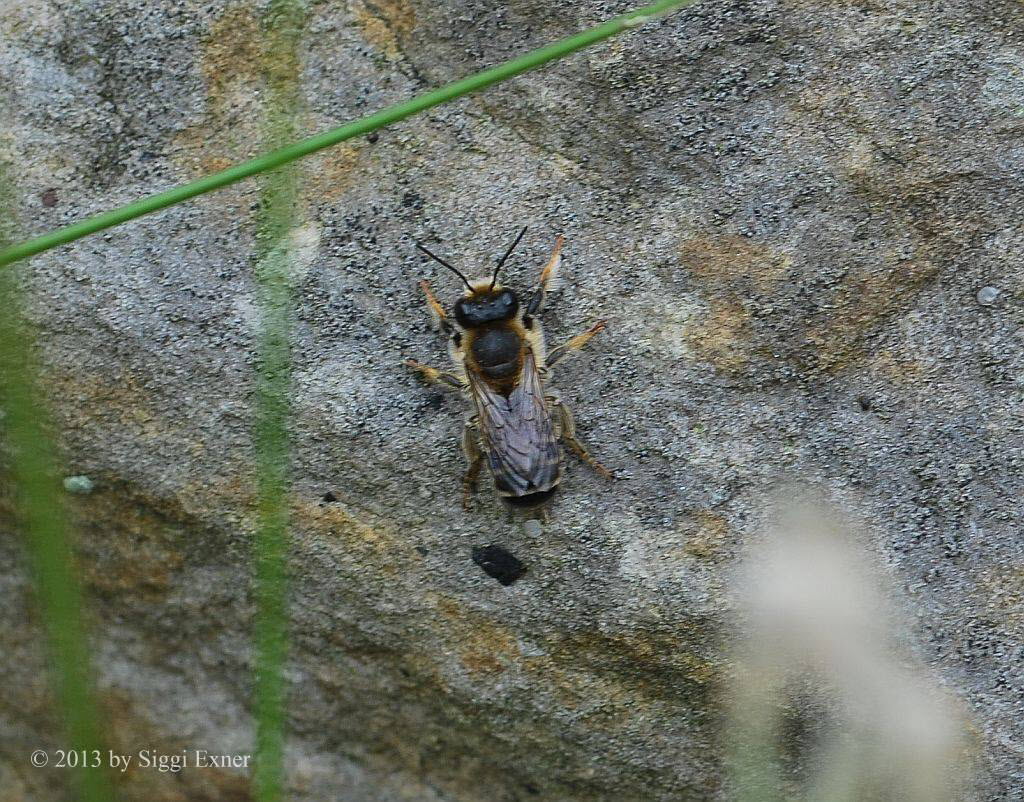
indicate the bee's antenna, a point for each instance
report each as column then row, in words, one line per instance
column 508, row 253
column 442, row 261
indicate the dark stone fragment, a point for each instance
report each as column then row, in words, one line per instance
column 498, row 563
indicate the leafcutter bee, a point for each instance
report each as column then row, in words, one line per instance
column 497, row 345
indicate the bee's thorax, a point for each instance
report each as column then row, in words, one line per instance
column 497, row 351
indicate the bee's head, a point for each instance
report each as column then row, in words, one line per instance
column 485, row 305
column 486, row 301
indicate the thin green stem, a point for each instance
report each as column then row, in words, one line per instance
column 298, row 150
column 282, row 30
column 42, row 520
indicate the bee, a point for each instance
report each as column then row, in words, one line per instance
column 502, row 366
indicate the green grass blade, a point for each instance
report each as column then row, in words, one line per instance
column 298, row 150
column 282, row 30
column 43, row 522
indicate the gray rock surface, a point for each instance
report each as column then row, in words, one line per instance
column 785, row 208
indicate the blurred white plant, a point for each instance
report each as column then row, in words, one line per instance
column 820, row 646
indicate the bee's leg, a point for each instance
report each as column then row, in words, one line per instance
column 548, row 279
column 435, row 376
column 575, row 344
column 437, row 313
column 566, row 428
column 475, row 458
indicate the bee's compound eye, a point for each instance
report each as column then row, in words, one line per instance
column 508, row 302
column 460, row 313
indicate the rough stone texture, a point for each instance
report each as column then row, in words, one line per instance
column 785, row 208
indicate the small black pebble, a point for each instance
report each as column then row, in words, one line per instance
column 373, row 137
column 328, row 497
column 865, row 403
column 498, row 563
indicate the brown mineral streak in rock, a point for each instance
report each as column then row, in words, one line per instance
column 330, row 173
column 732, row 262
column 231, row 67
column 236, row 65
column 1004, row 591
column 865, row 299
column 129, row 550
column 708, row 536
column 130, row 729
column 732, row 271
column 728, row 270
column 94, row 399
column 378, row 545
column 723, row 336
column 484, row 647
column 385, row 23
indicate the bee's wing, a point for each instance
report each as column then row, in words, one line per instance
column 518, row 436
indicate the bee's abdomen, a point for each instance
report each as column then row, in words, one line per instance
column 531, row 500
column 497, row 352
